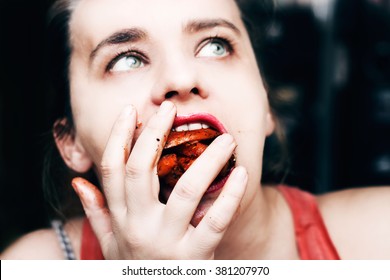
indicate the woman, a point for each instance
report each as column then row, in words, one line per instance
column 136, row 75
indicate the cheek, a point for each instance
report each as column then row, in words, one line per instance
column 250, row 136
column 95, row 110
column 248, row 105
column 93, row 128
column 96, row 107
column 247, row 112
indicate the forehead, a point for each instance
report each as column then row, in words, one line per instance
column 96, row 19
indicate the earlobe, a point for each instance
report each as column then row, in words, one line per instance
column 270, row 124
column 71, row 150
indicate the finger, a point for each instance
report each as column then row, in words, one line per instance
column 95, row 209
column 114, row 157
column 213, row 226
column 190, row 188
column 141, row 168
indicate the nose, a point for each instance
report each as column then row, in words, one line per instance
column 177, row 79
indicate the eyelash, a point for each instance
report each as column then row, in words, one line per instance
column 219, row 39
column 125, row 53
column 225, row 41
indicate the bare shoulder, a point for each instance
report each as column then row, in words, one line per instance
column 358, row 221
column 43, row 244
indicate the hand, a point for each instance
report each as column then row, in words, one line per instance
column 129, row 220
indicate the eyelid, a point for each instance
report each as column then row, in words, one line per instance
column 225, row 41
column 123, row 54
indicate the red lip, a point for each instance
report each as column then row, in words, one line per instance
column 200, row 117
column 216, row 185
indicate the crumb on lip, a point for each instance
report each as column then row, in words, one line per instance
column 139, row 125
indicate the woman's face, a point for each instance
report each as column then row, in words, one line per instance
column 145, row 52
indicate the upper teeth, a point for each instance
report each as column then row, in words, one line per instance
column 191, row 126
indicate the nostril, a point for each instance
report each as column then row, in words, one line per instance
column 170, row 94
column 173, row 93
column 195, row 90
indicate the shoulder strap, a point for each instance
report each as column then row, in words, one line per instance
column 90, row 247
column 64, row 240
column 312, row 237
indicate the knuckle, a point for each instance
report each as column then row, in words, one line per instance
column 133, row 238
column 107, row 168
column 217, row 224
column 185, row 190
column 136, row 241
column 234, row 197
column 134, row 170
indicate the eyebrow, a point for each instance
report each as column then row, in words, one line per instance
column 200, row 25
column 136, row 34
column 120, row 37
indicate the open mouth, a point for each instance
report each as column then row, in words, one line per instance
column 188, row 139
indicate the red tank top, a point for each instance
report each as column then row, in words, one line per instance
column 312, row 238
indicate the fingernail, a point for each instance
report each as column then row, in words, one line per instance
column 225, row 139
column 240, row 173
column 128, row 110
column 89, row 194
column 79, row 191
column 76, row 186
column 166, row 107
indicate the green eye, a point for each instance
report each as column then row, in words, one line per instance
column 214, row 48
column 127, row 63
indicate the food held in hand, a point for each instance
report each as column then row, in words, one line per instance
column 181, row 150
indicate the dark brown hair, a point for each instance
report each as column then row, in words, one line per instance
column 256, row 15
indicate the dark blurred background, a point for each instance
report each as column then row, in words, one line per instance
column 329, row 59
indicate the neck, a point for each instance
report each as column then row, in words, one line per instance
column 264, row 230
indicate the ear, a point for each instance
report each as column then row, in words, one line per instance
column 70, row 148
column 270, row 124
